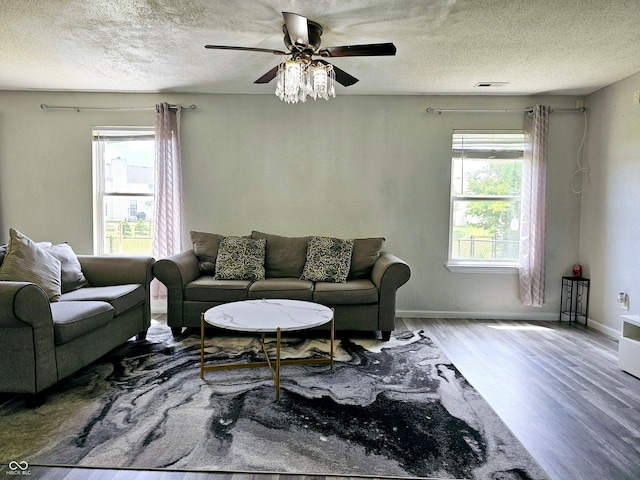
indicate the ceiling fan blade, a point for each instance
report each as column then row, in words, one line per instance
column 247, row 49
column 342, row 77
column 369, row 50
column 270, row 75
column 297, row 28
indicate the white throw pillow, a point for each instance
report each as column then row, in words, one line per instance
column 27, row 262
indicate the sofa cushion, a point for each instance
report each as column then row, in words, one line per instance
column 208, row 289
column 352, row 292
column 26, row 261
column 205, row 246
column 71, row 275
column 285, row 256
column 240, row 258
column 365, row 253
column 121, row 297
column 290, row 288
column 71, row 320
column 328, row 259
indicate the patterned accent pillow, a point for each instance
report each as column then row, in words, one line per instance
column 27, row 262
column 328, row 260
column 240, row 258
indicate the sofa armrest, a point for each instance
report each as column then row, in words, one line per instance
column 26, row 339
column 107, row 270
column 176, row 272
column 389, row 273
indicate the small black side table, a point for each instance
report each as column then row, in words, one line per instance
column 574, row 298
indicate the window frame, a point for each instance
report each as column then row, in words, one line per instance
column 146, row 132
column 457, row 265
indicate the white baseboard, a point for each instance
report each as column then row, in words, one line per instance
column 479, row 315
column 502, row 316
column 608, row 331
column 159, row 306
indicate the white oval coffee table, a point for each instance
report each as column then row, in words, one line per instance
column 267, row 316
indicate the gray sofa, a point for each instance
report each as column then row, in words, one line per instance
column 44, row 341
column 366, row 301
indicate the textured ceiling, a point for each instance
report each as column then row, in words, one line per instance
column 443, row 46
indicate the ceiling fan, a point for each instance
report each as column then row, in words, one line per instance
column 302, row 39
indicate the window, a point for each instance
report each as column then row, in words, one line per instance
column 486, row 184
column 124, row 178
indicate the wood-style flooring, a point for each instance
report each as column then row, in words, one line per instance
column 557, row 386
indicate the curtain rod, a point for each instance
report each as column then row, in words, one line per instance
column 523, row 110
column 44, row 106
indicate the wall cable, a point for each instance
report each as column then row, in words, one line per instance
column 581, row 168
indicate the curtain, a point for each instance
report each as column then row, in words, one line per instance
column 167, row 234
column 534, row 204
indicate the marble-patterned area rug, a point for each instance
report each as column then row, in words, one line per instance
column 396, row 408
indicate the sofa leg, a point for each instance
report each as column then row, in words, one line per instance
column 142, row 335
column 175, row 331
column 35, row 400
column 386, row 335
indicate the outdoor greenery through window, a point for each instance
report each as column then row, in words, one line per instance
column 486, row 181
column 124, row 184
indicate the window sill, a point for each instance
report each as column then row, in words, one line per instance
column 482, row 268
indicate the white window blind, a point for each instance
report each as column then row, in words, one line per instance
column 486, row 182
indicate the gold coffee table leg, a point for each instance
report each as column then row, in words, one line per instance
column 202, row 346
column 278, row 337
column 333, row 335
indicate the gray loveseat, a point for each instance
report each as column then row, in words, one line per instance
column 43, row 341
column 366, row 301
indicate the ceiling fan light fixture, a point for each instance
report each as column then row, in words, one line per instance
column 300, row 77
column 323, row 81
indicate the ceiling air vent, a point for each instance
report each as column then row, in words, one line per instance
column 490, row 84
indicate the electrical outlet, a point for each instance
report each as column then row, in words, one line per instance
column 625, row 304
column 636, row 97
column 579, row 103
column 623, row 300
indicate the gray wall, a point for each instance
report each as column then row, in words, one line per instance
column 351, row 167
column 610, row 238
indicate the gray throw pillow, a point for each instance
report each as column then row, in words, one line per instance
column 205, row 246
column 71, row 275
column 285, row 256
column 328, row 260
column 365, row 253
column 240, row 258
column 27, row 262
